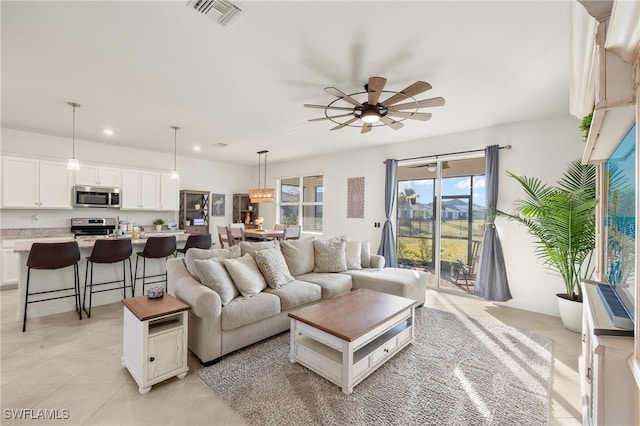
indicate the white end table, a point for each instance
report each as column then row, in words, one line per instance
column 155, row 339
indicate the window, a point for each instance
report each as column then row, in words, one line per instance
column 300, row 202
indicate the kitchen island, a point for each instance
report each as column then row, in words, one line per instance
column 42, row 280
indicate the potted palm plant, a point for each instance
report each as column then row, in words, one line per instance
column 561, row 218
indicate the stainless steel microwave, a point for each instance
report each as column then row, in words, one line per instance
column 95, row 196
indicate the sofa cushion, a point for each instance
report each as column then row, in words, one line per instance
column 245, row 275
column 400, row 282
column 252, row 247
column 273, row 267
column 329, row 256
column 299, row 255
column 242, row 311
column 296, row 294
column 353, row 254
column 196, row 253
column 332, row 284
column 214, row 275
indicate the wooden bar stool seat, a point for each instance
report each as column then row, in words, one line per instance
column 52, row 256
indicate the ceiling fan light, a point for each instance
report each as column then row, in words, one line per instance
column 370, row 116
column 432, row 167
column 73, row 164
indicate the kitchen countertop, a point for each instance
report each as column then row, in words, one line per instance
column 88, row 242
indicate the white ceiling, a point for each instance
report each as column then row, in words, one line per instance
column 141, row 67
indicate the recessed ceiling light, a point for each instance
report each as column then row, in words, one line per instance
column 108, row 132
column 196, row 147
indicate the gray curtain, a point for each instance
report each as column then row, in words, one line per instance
column 388, row 241
column 491, row 282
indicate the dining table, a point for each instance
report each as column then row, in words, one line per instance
column 264, row 234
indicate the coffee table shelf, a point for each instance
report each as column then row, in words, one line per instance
column 344, row 360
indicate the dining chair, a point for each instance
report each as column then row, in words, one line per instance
column 292, row 232
column 280, row 227
column 224, row 236
column 236, row 231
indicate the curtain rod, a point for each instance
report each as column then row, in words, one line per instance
column 435, row 156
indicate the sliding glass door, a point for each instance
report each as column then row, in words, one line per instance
column 441, row 219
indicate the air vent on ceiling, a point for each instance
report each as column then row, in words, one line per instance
column 222, row 11
column 220, row 144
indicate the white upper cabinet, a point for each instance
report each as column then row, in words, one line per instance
column 28, row 183
column 140, row 190
column 98, row 176
column 169, row 193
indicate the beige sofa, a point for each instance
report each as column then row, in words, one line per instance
column 224, row 317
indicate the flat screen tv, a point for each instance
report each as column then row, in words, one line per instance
column 620, row 220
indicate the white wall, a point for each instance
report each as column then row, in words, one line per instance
column 195, row 174
column 540, row 148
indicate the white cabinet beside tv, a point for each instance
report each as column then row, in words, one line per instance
column 606, row 379
column 35, row 184
column 140, row 190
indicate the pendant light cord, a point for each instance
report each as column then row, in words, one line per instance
column 74, row 105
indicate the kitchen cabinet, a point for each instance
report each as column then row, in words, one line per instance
column 169, row 196
column 140, row 190
column 35, row 184
column 155, row 339
column 97, row 175
column 9, row 263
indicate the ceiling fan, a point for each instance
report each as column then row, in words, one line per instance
column 370, row 110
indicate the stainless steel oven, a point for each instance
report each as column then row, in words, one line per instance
column 92, row 226
column 95, row 196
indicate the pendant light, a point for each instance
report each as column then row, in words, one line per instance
column 262, row 195
column 73, row 164
column 174, row 174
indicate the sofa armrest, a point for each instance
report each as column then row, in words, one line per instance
column 377, row 261
column 204, row 302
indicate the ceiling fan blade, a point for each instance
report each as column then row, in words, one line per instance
column 375, row 86
column 346, row 123
column 366, row 127
column 422, row 116
column 414, row 89
column 432, row 102
column 332, row 117
column 395, row 125
column 337, row 108
column 340, row 94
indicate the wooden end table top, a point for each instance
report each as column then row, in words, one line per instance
column 353, row 314
column 145, row 309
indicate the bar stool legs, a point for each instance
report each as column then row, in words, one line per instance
column 88, row 278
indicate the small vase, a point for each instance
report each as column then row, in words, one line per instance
column 259, row 226
column 158, row 227
column 196, row 206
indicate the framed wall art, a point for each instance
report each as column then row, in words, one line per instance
column 217, row 205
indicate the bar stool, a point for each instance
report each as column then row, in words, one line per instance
column 106, row 252
column 52, row 256
column 155, row 248
column 202, row 241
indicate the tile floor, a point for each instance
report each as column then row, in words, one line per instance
column 62, row 363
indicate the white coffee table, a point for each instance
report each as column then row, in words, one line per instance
column 346, row 338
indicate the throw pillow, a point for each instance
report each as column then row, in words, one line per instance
column 274, row 267
column 245, row 275
column 252, row 247
column 299, row 255
column 196, row 253
column 329, row 256
column 365, row 254
column 214, row 275
column 352, row 251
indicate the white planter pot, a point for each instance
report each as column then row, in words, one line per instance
column 570, row 313
column 158, row 227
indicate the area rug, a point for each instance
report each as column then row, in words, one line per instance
column 459, row 371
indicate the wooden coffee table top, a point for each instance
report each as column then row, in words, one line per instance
column 351, row 315
column 145, row 309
